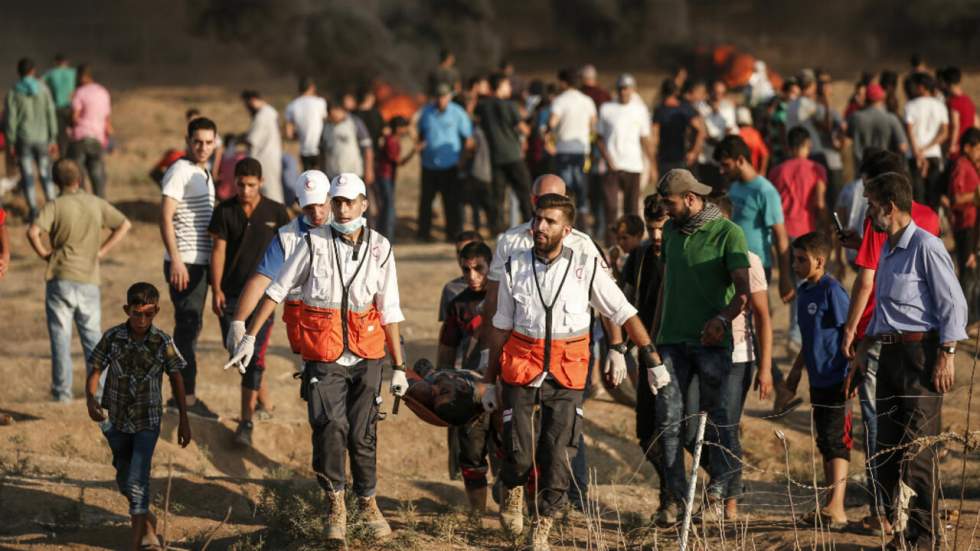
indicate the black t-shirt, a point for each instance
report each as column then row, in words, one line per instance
column 247, row 238
column 375, row 125
column 498, row 119
column 674, row 123
column 641, row 277
column 464, row 316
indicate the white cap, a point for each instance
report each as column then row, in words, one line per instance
column 313, row 188
column 347, row 185
column 743, row 117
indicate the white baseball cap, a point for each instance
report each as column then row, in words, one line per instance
column 312, row 188
column 347, row 185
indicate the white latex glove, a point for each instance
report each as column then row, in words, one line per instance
column 615, row 366
column 235, row 333
column 658, row 377
column 243, row 354
column 399, row 383
column 489, row 399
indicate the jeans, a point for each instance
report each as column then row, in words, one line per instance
column 29, row 154
column 252, row 378
column 88, row 154
column 869, row 419
column 65, row 301
column 188, row 312
column 570, row 168
column 711, row 366
column 132, row 456
column 385, row 188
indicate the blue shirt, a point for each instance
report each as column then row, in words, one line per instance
column 821, row 309
column 756, row 207
column 916, row 289
column 275, row 253
column 444, row 133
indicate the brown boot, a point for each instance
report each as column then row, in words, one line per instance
column 371, row 516
column 336, row 516
column 537, row 538
column 477, row 498
column 512, row 510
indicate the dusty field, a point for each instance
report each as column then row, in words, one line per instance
column 56, row 481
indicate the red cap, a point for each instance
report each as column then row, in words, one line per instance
column 875, row 92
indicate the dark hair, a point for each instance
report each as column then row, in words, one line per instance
column 337, row 101
column 476, row 249
column 362, row 93
column 732, row 147
column 464, row 406
column 25, row 66
column 971, row 137
column 471, row 82
column 568, row 76
column 248, row 95
column 304, row 83
column 142, row 293
column 444, row 54
column 83, row 70
column 668, row 88
column 915, row 60
column 888, row 79
column 924, row 80
column 66, row 172
column 724, row 204
column 814, row 244
column 201, row 123
column 951, row 75
column 60, row 58
column 397, row 121
column 890, row 187
column 653, row 209
column 560, row 202
column 691, row 84
column 796, row 137
column 248, row 167
column 468, row 235
column 496, row 79
column 631, row 223
column 192, row 112
column 879, row 161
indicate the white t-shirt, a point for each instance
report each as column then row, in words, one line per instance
column 621, row 127
column 306, row 113
column 574, row 111
column 193, row 189
column 926, row 114
column 743, row 334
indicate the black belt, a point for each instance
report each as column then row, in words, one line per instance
column 903, row 338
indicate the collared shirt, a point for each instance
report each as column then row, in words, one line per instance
column 916, row 289
column 135, row 369
column 518, row 239
column 444, row 133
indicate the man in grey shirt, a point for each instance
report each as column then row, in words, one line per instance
column 346, row 144
column 875, row 126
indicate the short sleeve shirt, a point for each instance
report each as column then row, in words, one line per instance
column 74, row 223
column 498, row 119
column 444, row 133
column 963, row 105
column 574, row 112
column 622, row 126
column 307, row 114
column 796, row 181
column 964, row 179
column 697, row 277
column 247, row 238
column 92, row 104
column 926, row 114
column 743, row 345
column 133, row 394
column 674, row 122
column 756, row 207
column 193, row 189
column 821, row 309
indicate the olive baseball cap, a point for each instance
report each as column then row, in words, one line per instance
column 680, row 180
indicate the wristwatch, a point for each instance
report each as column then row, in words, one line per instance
column 723, row 319
column 948, row 349
column 621, row 347
column 399, row 367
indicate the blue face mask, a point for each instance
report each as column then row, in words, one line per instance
column 349, row 227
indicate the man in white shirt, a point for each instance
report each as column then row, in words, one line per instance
column 573, row 118
column 927, row 126
column 304, row 122
column 624, row 141
column 265, row 143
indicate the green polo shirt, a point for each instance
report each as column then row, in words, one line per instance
column 697, row 277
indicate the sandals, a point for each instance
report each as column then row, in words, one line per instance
column 824, row 519
column 876, row 526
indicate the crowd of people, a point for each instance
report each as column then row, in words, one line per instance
column 749, row 185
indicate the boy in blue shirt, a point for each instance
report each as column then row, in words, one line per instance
column 822, row 306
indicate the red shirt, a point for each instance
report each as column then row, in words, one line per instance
column 757, row 146
column 3, row 216
column 390, row 155
column 598, row 95
column 963, row 105
column 796, row 181
column 870, row 251
column 963, row 179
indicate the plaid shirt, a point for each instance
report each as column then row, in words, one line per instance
column 133, row 394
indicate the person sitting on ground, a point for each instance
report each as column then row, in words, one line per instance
column 134, row 356
column 822, row 307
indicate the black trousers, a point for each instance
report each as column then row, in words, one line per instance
column 343, row 412
column 646, row 428
column 518, row 178
column 310, row 162
column 547, row 439
column 188, row 318
column 909, row 408
column 927, row 189
column 445, row 183
column 477, row 440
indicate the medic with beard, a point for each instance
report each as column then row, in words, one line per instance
column 349, row 316
column 539, row 346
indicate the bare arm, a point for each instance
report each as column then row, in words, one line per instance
column 265, row 310
column 179, row 277
column 759, row 303
column 368, row 153
column 34, row 237
column 954, row 130
column 219, row 152
column 740, row 279
column 700, row 134
column 821, row 200
column 4, row 250
column 218, row 249
column 290, row 130
column 860, row 294
column 114, row 238
column 786, row 290
column 251, row 295
column 495, row 344
column 180, row 396
column 394, row 344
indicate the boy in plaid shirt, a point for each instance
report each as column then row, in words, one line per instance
column 135, row 356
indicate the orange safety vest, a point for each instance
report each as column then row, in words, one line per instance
column 524, row 358
column 291, row 314
column 289, row 237
column 325, row 332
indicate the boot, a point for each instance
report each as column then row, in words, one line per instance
column 336, row 516
column 537, row 538
column 372, row 518
column 477, row 498
column 512, row 510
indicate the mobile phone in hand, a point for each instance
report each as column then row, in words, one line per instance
column 838, row 225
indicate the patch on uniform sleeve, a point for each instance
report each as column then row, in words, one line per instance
column 811, row 308
column 508, row 414
column 376, row 251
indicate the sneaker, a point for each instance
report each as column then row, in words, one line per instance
column 512, row 510
column 243, row 434
column 336, row 516
column 666, row 515
column 200, row 409
column 262, row 414
column 537, row 538
column 372, row 518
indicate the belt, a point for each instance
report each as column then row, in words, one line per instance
column 900, row 338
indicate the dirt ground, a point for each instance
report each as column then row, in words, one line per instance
column 56, row 482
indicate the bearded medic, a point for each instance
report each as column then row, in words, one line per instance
column 349, row 316
column 539, row 350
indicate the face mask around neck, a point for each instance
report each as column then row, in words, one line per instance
column 349, row 227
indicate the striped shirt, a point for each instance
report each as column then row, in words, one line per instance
column 193, row 189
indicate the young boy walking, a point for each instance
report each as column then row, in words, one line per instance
column 135, row 356
column 822, row 306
